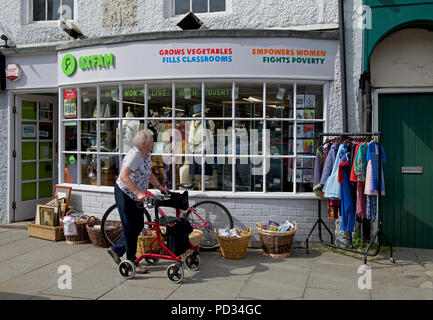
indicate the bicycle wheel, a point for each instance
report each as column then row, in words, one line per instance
column 111, row 225
column 213, row 213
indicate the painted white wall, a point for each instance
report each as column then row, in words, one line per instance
column 403, row 59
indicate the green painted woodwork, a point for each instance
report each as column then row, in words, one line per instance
column 45, row 170
column 28, row 171
column 390, row 16
column 28, row 151
column 405, row 120
column 45, row 189
column 45, row 150
column 28, row 110
column 28, row 191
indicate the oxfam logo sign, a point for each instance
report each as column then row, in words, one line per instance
column 87, row 63
column 69, row 64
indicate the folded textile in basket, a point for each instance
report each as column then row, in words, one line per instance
column 228, row 233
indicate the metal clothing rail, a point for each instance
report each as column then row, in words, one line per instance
column 379, row 231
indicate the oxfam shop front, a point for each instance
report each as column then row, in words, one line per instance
column 239, row 118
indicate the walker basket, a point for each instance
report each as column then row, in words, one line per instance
column 143, row 243
column 276, row 244
column 94, row 231
column 82, row 235
column 195, row 240
column 234, row 247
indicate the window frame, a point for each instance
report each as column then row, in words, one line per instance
column 173, row 8
column 231, row 157
column 46, row 22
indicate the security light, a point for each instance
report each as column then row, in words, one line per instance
column 5, row 39
column 190, row 22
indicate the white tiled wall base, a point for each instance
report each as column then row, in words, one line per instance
column 245, row 212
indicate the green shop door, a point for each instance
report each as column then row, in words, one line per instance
column 406, row 122
column 36, row 157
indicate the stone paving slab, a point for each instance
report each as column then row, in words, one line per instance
column 335, row 295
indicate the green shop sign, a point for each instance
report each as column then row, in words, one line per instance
column 93, row 62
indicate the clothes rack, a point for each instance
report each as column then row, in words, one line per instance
column 379, row 233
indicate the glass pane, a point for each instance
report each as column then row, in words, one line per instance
column 28, row 191
column 67, row 9
column 109, row 102
column 304, row 174
column 218, row 100
column 71, row 131
column 71, row 163
column 45, row 111
column 88, row 103
column 249, row 174
column 279, row 175
column 28, row 130
column 181, row 6
column 45, row 170
column 161, row 168
column 188, row 100
column 249, row 100
column 53, row 11
column 279, row 100
column 220, row 137
column 89, row 167
column 133, row 101
column 280, row 137
column 88, row 136
column 38, row 10
column 309, row 102
column 188, row 171
column 45, row 150
column 28, row 110
column 28, row 151
column 45, row 189
column 181, row 134
column 28, row 171
column 221, row 178
column 161, row 135
column 109, row 170
column 217, row 5
column 199, row 6
column 307, row 137
column 129, row 130
column 45, row 130
column 249, row 137
column 70, row 104
column 159, row 100
column 109, row 138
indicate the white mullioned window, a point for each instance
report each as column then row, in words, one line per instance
column 46, row 10
column 221, row 136
column 198, row 6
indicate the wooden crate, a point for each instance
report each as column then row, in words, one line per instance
column 45, row 232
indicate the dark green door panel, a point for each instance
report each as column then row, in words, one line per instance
column 406, row 122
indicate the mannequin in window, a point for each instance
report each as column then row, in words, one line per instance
column 129, row 129
column 184, row 176
column 164, row 140
column 196, row 146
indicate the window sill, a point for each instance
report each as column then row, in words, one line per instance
column 209, row 194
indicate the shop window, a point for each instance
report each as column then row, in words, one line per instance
column 219, row 136
column 198, row 6
column 44, row 10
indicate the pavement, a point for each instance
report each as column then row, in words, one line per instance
column 33, row 269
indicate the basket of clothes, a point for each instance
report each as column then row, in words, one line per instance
column 277, row 244
column 74, row 229
column 94, row 231
column 233, row 243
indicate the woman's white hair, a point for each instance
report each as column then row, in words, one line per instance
column 142, row 137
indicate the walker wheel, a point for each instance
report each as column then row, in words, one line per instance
column 174, row 273
column 192, row 262
column 127, row 269
column 151, row 260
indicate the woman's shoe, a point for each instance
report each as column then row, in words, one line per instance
column 115, row 257
column 141, row 269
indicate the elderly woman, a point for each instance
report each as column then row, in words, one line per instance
column 130, row 187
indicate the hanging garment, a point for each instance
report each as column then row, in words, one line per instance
column 318, row 167
column 361, row 162
column 332, row 211
column 332, row 188
column 353, row 175
column 361, row 200
column 371, row 207
column 329, row 163
column 347, row 205
column 373, row 157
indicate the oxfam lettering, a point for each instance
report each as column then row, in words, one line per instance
column 96, row 61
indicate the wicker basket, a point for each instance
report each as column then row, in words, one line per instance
column 195, row 239
column 276, row 244
column 233, row 247
column 94, row 231
column 82, row 235
column 45, row 232
column 143, row 243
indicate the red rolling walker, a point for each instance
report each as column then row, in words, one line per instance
column 174, row 271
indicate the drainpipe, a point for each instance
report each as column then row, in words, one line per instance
column 343, row 64
column 369, row 107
